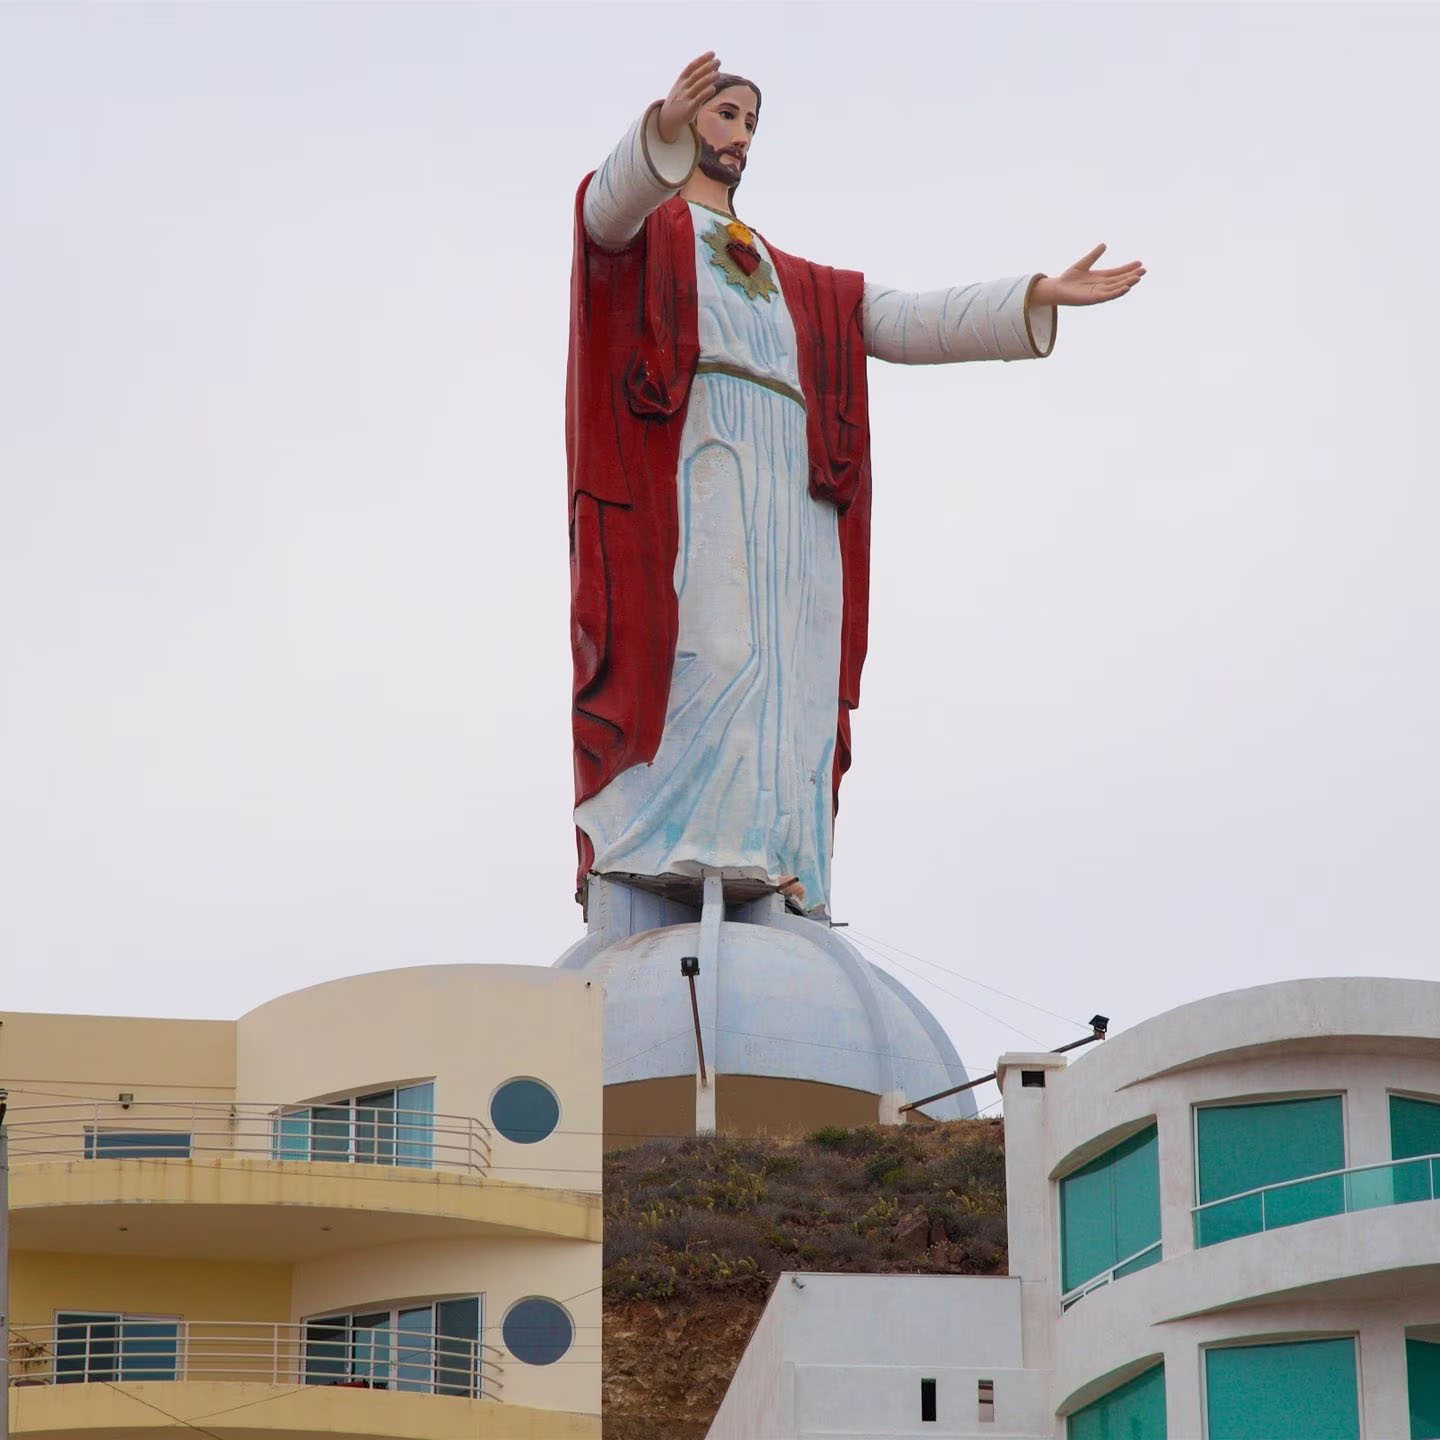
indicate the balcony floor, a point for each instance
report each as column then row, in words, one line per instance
column 240, row 1410
column 250, row 1209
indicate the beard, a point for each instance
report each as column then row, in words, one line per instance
column 710, row 165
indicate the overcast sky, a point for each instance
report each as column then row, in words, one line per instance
column 1152, row 708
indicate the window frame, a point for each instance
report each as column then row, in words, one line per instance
column 351, row 1101
column 1269, row 1342
column 1413, row 1338
column 1156, row 1364
column 119, row 1318
column 1070, row 1297
column 1238, row 1101
column 394, row 1309
column 533, row 1080
column 548, row 1300
column 1417, row 1097
column 94, row 1151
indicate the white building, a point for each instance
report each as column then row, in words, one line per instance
column 1224, row 1225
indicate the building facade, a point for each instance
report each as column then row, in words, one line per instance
column 368, row 1208
column 1224, row 1225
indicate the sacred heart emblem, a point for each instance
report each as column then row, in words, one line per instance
column 733, row 252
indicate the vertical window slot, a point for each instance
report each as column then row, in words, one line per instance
column 987, row 1400
column 927, row 1400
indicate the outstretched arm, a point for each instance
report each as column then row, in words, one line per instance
column 1002, row 320
column 652, row 162
column 994, row 321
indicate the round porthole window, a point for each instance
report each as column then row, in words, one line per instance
column 524, row 1111
column 537, row 1331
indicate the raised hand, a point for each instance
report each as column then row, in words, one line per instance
column 694, row 87
column 1081, row 284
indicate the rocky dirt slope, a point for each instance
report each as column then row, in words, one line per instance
column 696, row 1231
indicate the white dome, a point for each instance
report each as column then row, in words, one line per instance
column 793, row 1000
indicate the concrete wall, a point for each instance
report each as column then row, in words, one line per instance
column 60, row 1061
column 845, row 1355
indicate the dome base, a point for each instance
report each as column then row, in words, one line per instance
column 800, row 1028
column 744, row 1105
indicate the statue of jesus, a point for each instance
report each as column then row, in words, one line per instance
column 717, row 437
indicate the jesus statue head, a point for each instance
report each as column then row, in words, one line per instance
column 726, row 125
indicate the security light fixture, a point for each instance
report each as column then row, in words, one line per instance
column 127, row 1099
column 1100, row 1024
column 689, row 969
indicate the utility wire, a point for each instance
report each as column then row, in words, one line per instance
column 919, row 975
column 959, row 975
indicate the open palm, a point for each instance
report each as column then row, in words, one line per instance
column 1082, row 284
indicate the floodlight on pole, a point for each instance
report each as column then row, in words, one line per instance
column 690, row 968
column 1099, row 1027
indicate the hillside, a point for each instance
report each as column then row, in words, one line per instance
column 696, row 1230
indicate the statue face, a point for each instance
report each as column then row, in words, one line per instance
column 726, row 123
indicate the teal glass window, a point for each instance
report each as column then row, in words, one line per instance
column 381, row 1127
column 1110, row 1212
column 525, row 1111
column 1132, row 1411
column 1303, row 1391
column 1242, row 1148
column 1414, row 1127
column 1422, row 1371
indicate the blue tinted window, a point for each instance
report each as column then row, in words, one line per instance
column 537, row 1331
column 524, row 1111
column 114, row 1347
column 136, row 1144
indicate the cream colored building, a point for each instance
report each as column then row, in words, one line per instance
column 368, row 1208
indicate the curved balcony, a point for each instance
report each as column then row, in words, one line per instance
column 180, row 1130
column 243, row 1378
column 1335, row 1192
column 110, row 1350
column 264, row 1182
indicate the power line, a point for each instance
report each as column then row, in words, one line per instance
column 970, row 979
column 890, row 960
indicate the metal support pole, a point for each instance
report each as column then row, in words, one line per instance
column 1099, row 1025
column 4, row 1271
column 690, row 968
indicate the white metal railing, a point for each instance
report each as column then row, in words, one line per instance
column 126, row 1349
column 1311, row 1197
column 176, row 1130
column 1131, row 1263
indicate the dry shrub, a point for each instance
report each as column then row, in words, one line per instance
column 712, row 1214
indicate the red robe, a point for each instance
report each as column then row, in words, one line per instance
column 634, row 346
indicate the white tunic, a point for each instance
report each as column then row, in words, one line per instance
column 742, row 778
